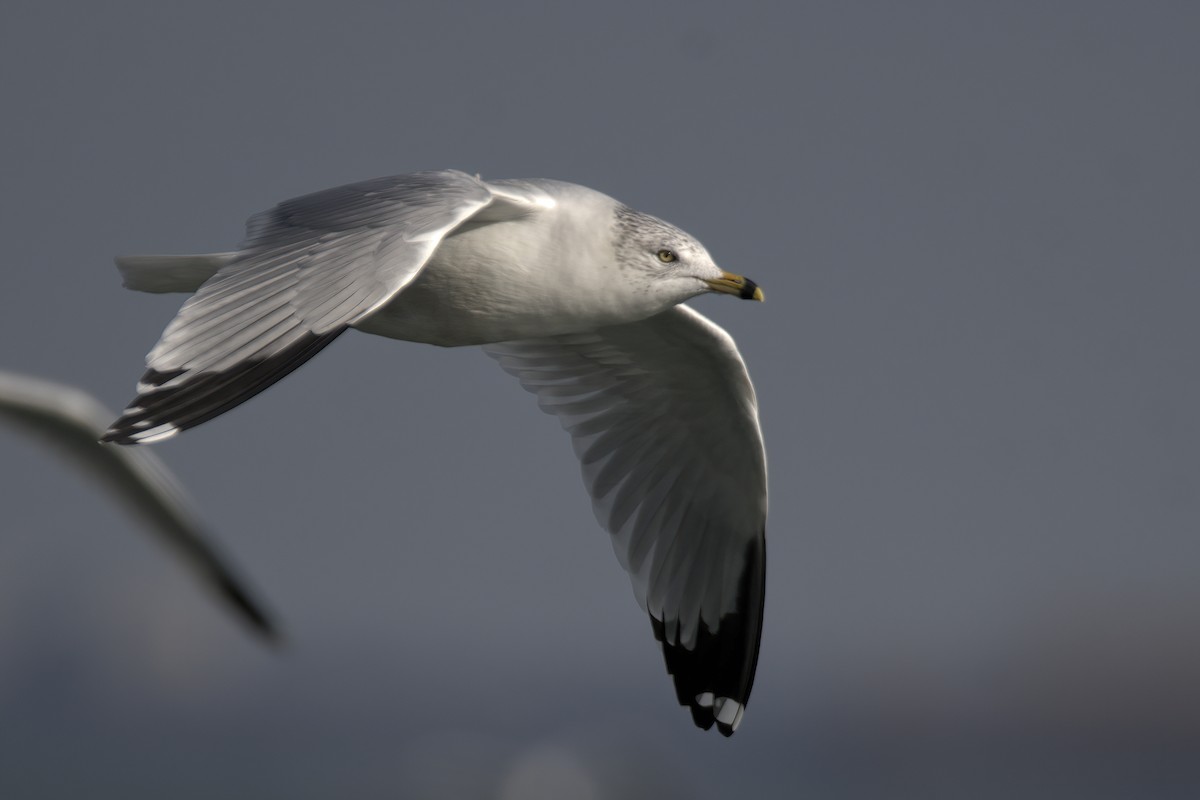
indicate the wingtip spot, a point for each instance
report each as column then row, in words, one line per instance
column 728, row 711
column 156, row 434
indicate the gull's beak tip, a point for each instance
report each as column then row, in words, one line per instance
column 737, row 286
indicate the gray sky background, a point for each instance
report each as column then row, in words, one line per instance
column 977, row 227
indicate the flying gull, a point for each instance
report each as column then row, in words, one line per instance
column 573, row 293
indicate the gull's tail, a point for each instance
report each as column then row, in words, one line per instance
column 161, row 274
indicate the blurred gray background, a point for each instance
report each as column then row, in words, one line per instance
column 977, row 226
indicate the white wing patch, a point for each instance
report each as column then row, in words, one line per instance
column 663, row 418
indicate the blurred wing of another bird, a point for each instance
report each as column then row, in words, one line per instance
column 71, row 421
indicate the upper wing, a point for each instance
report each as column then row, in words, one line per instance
column 664, row 420
column 70, row 421
column 309, row 268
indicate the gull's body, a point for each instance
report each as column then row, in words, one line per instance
column 574, row 294
column 69, row 420
column 475, row 288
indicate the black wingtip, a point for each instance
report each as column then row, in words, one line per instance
column 714, row 676
column 175, row 400
column 116, row 435
column 701, row 716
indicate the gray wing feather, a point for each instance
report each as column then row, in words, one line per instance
column 663, row 418
column 308, row 269
column 69, row 420
column 326, row 260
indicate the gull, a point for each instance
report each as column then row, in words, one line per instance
column 573, row 293
column 70, row 420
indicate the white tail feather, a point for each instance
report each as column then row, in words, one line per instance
column 170, row 273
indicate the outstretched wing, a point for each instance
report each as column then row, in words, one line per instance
column 309, row 268
column 69, row 420
column 663, row 417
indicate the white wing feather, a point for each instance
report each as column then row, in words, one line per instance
column 664, row 420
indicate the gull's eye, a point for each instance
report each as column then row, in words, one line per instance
column 667, row 256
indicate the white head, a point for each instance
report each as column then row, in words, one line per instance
column 669, row 264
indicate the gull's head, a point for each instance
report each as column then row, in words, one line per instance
column 668, row 264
